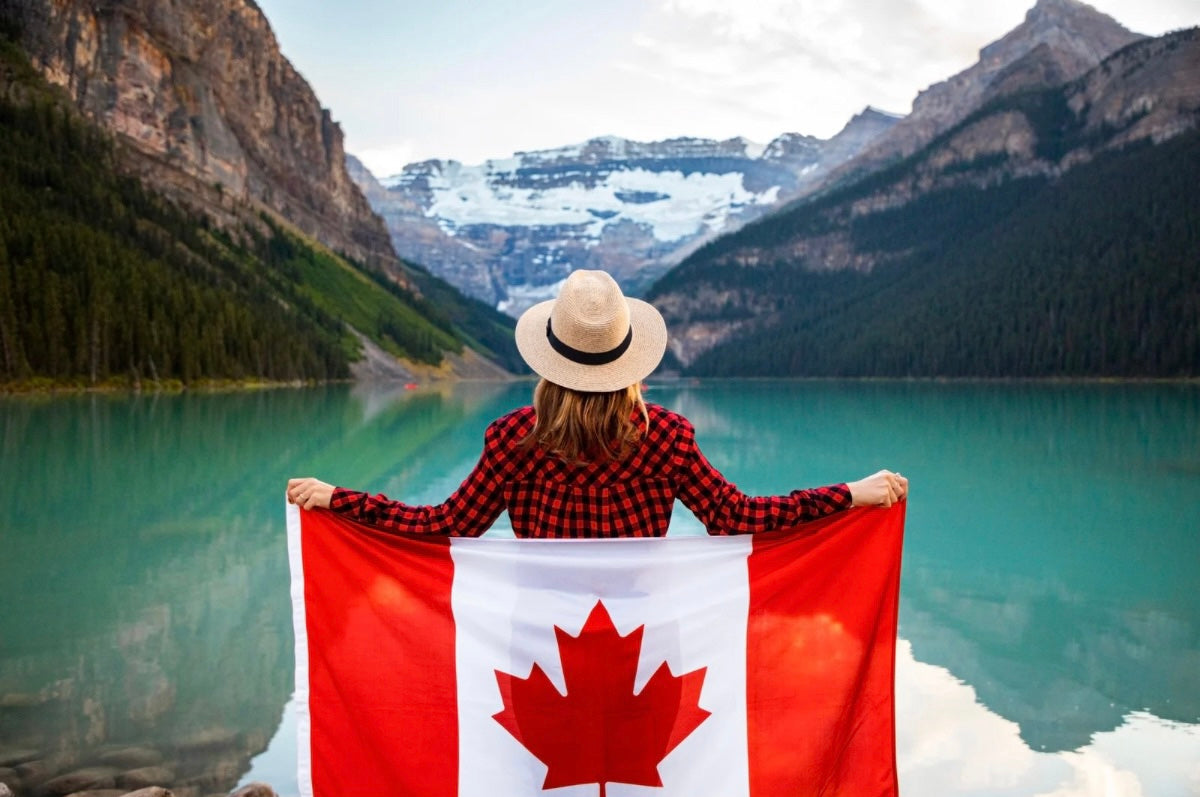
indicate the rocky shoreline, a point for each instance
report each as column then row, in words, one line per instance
column 116, row 771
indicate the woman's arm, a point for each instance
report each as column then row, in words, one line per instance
column 468, row 512
column 724, row 509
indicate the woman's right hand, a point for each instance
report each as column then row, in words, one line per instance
column 309, row 493
column 879, row 489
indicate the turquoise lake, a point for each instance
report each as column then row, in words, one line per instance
column 1049, row 619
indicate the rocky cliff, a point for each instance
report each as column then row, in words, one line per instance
column 508, row 231
column 213, row 114
column 1059, row 40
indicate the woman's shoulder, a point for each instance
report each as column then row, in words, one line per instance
column 511, row 427
column 667, row 420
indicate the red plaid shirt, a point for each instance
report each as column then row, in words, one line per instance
column 547, row 497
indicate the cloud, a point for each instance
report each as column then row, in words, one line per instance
column 949, row 743
column 805, row 65
column 386, row 161
column 643, row 69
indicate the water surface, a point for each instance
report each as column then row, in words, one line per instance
column 1049, row 622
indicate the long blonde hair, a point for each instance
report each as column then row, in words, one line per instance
column 586, row 427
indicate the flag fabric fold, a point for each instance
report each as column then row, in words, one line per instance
column 701, row 666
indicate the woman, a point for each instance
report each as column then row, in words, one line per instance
column 590, row 458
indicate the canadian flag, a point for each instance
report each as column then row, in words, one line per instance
column 680, row 666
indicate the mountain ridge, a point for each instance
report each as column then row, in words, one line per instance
column 510, row 229
column 1146, row 94
column 1057, row 41
column 482, row 228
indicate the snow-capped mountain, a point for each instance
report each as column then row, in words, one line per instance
column 509, row 230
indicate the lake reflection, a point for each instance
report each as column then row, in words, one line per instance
column 1049, row 619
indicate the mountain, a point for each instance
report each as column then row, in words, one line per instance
column 508, row 231
column 212, row 112
column 1050, row 232
column 177, row 207
column 1058, row 41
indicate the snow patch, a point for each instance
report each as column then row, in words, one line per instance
column 522, row 297
column 464, row 195
column 754, row 149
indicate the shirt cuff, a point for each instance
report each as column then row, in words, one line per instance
column 344, row 500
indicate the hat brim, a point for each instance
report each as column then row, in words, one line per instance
column 644, row 354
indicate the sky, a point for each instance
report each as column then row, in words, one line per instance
column 472, row 80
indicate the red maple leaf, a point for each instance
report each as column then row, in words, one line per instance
column 600, row 731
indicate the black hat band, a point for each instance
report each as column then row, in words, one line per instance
column 588, row 357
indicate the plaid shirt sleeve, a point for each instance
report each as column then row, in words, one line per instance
column 469, row 512
column 724, row 509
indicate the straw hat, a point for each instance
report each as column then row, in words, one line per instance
column 592, row 337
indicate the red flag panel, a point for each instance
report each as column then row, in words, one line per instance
column 381, row 675
column 820, row 650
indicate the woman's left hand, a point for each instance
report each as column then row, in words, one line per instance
column 879, row 489
column 309, row 493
